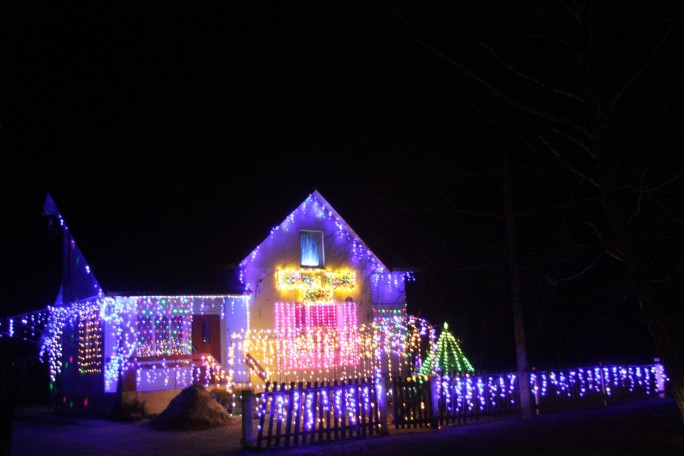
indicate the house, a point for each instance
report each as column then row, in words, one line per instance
column 315, row 304
column 318, row 295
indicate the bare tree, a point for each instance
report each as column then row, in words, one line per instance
column 596, row 89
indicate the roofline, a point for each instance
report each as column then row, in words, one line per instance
column 317, row 194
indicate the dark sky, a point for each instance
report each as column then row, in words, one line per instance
column 172, row 139
column 202, row 126
column 176, row 137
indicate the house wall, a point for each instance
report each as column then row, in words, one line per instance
column 121, row 335
column 375, row 288
column 344, row 251
column 79, row 392
column 282, row 251
column 234, row 321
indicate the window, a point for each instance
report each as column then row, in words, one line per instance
column 206, row 331
column 161, row 335
column 312, row 249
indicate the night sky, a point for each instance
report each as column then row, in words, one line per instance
column 173, row 138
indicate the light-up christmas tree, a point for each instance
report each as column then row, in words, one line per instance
column 448, row 358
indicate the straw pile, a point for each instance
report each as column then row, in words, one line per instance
column 193, row 409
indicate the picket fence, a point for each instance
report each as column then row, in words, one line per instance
column 292, row 414
column 297, row 414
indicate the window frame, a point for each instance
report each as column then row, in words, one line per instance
column 321, row 248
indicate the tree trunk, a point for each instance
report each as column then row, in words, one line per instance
column 665, row 319
column 514, row 273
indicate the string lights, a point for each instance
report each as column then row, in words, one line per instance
column 297, row 352
column 318, row 335
column 318, row 407
column 392, row 332
column 90, row 344
column 315, row 284
column 358, row 253
column 113, row 335
column 468, row 394
column 448, row 358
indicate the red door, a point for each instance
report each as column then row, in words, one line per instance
column 206, row 337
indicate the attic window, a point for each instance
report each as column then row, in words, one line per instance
column 312, row 254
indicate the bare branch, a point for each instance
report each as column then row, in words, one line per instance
column 522, row 75
column 617, row 255
column 580, row 273
column 567, row 165
column 481, row 81
column 495, row 120
column 648, row 108
column 575, row 141
column 639, row 72
column 670, row 214
column 637, row 209
column 596, row 232
column 563, row 44
column 666, row 183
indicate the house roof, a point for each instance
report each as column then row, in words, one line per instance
column 313, row 198
column 155, row 272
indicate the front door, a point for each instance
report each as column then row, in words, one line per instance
column 206, row 337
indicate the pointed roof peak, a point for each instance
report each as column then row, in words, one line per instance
column 322, row 208
column 78, row 281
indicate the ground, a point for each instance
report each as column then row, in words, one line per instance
column 651, row 427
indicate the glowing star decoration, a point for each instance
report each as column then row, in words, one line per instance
column 315, row 285
column 448, row 358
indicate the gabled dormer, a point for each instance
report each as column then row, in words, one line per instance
column 317, row 289
column 314, row 256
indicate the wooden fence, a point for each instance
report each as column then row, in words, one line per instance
column 592, row 387
column 435, row 401
column 467, row 398
column 422, row 401
column 297, row 414
column 412, row 402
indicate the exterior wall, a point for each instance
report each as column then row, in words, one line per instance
column 232, row 317
column 234, row 321
column 375, row 286
column 389, row 291
column 281, row 250
column 80, row 393
column 121, row 338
